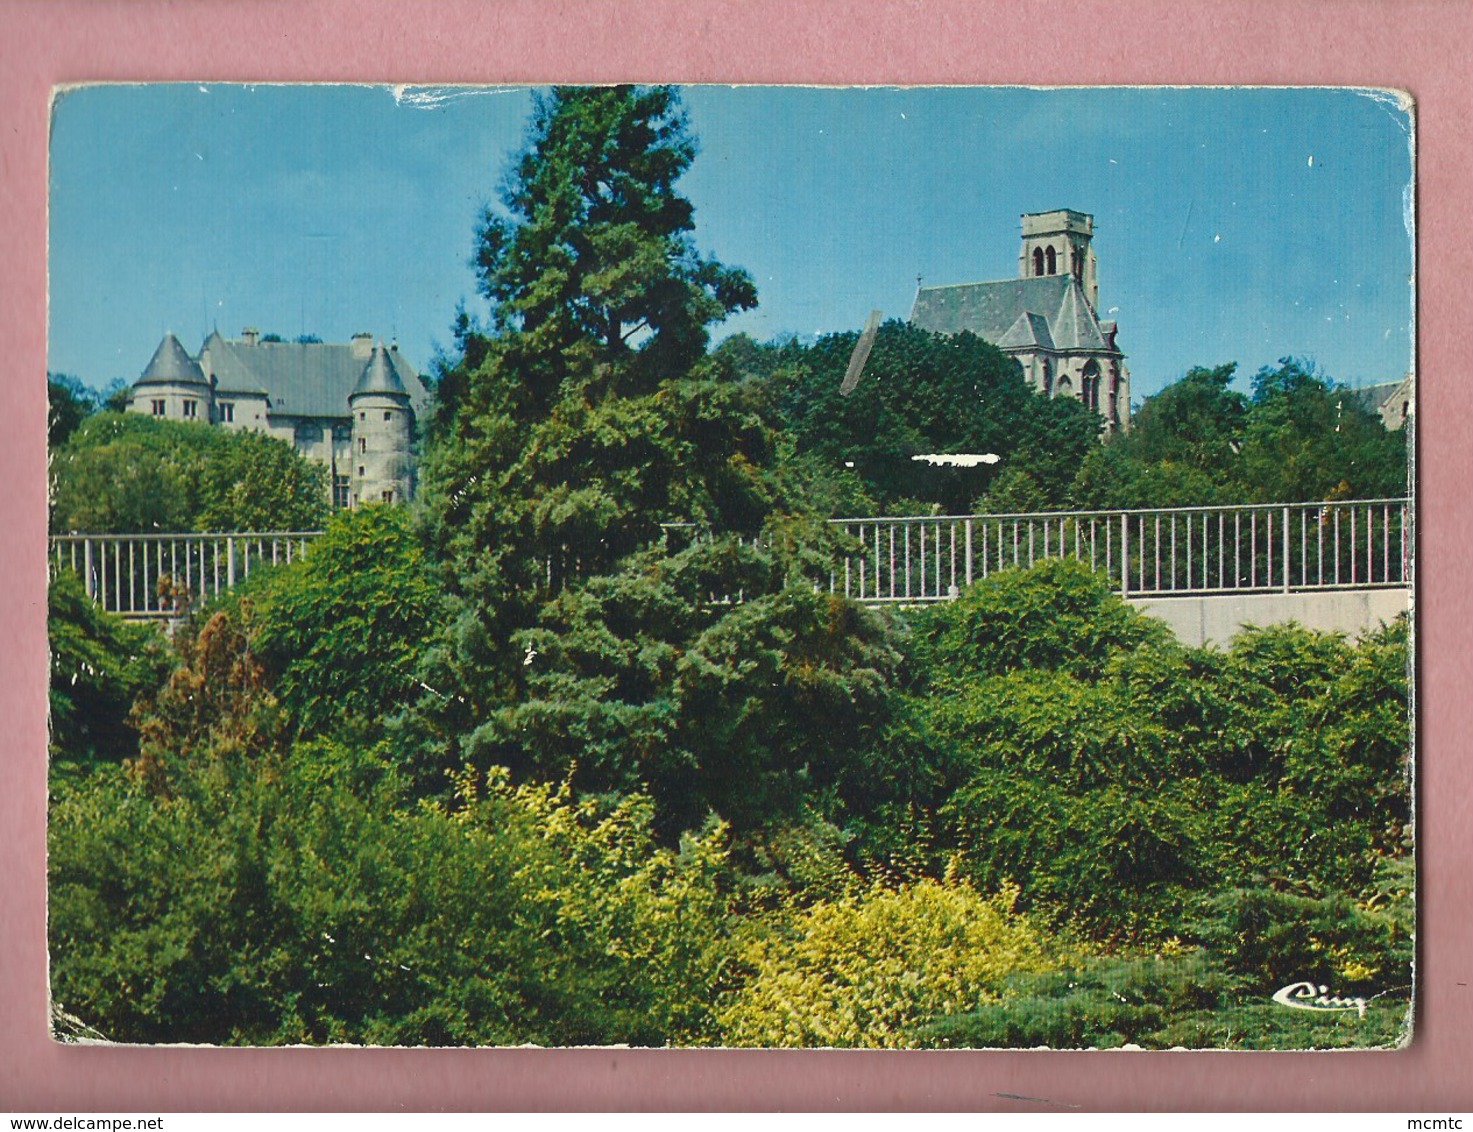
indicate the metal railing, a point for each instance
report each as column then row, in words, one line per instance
column 161, row 575
column 1260, row 548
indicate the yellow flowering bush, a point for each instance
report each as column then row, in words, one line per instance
column 870, row 970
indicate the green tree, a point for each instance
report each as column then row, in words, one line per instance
column 1298, row 438
column 341, row 629
column 1308, row 438
column 594, row 246
column 126, row 472
column 923, row 393
column 659, row 679
column 99, row 665
column 69, row 403
column 254, row 482
column 621, row 549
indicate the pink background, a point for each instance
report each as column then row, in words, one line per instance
column 1419, row 47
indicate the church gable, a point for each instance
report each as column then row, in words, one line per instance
column 1029, row 331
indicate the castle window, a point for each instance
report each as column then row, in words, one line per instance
column 191, row 410
column 227, row 412
column 1052, row 262
column 362, row 416
column 389, row 496
column 362, row 471
column 158, row 408
column 362, row 444
column 388, row 416
column 339, row 492
column 1037, row 261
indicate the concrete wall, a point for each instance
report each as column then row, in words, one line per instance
column 1217, row 619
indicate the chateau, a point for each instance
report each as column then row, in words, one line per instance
column 351, row 406
column 1047, row 317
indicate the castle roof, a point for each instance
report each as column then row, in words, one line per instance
column 306, row 379
column 1044, row 311
column 378, row 376
column 171, row 365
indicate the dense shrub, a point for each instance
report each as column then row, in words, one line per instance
column 99, row 665
column 869, row 970
column 295, row 899
column 1061, row 741
column 1058, row 615
column 341, row 629
column 1180, row 999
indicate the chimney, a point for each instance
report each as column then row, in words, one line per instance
column 250, row 335
column 362, row 344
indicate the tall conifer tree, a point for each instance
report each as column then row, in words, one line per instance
column 596, row 492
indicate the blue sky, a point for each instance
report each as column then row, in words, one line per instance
column 1231, row 224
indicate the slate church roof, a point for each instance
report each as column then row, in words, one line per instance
column 1040, row 312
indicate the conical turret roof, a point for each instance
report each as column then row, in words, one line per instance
column 378, row 376
column 171, row 365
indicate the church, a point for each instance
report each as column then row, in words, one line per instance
column 351, row 406
column 1047, row 317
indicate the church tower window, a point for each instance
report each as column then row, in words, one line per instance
column 1089, row 386
column 1037, row 261
column 1053, row 263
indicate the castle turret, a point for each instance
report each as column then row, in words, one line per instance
column 172, row 386
column 383, row 429
column 1059, row 243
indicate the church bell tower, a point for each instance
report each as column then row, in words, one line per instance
column 1059, row 243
